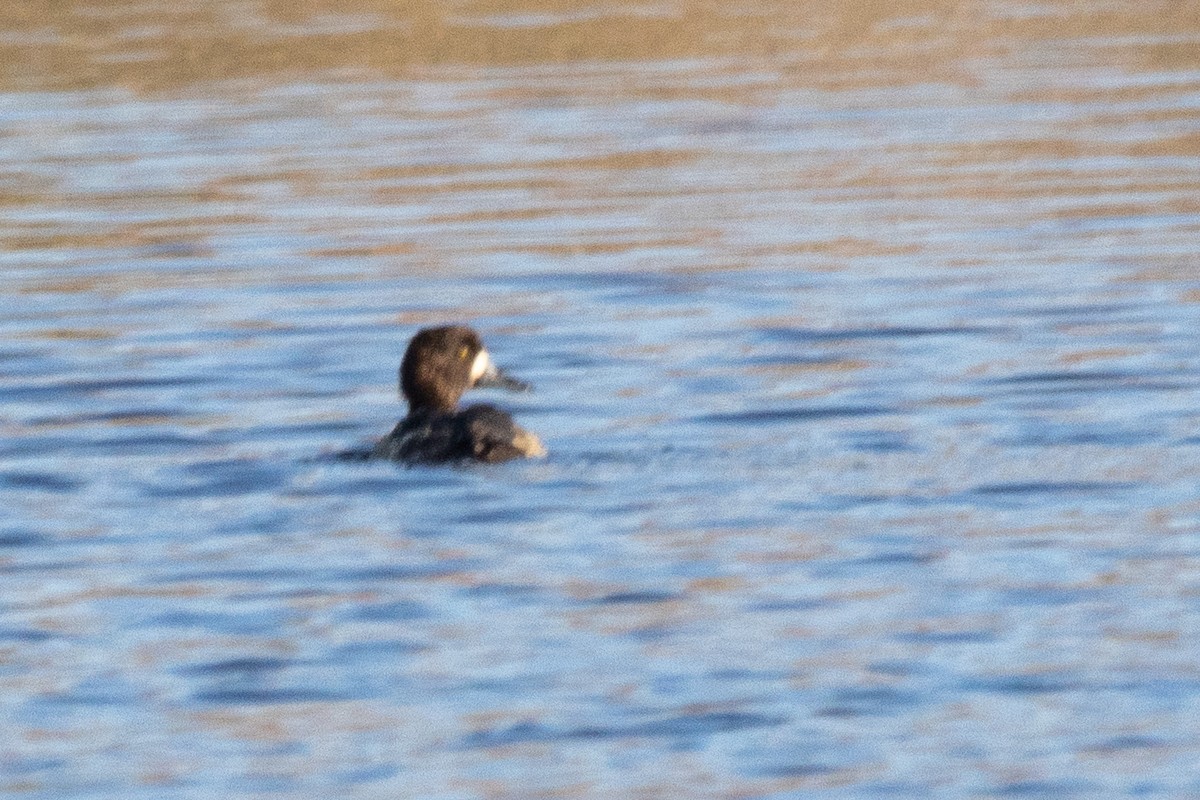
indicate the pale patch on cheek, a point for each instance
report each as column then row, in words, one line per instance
column 480, row 365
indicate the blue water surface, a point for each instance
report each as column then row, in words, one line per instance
column 873, row 437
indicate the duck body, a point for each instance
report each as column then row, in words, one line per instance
column 439, row 365
column 476, row 433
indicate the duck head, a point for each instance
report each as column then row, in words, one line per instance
column 441, row 364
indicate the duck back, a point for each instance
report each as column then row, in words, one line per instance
column 477, row 433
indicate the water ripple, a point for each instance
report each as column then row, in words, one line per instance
column 685, row 726
column 871, row 401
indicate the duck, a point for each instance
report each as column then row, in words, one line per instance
column 439, row 366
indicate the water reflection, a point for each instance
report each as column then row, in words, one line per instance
column 864, row 339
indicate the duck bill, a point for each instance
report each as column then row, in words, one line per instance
column 485, row 374
column 495, row 378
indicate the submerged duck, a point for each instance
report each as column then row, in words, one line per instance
column 438, row 367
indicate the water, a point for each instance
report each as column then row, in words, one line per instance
column 865, row 345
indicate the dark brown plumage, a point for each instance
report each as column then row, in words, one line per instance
column 439, row 365
column 436, row 369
